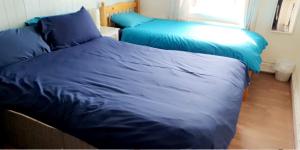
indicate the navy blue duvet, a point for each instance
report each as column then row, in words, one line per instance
column 117, row 95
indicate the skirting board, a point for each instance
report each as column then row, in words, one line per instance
column 296, row 109
column 267, row 67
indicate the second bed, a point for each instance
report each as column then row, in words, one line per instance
column 196, row 37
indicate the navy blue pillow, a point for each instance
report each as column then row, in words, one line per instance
column 20, row 44
column 69, row 30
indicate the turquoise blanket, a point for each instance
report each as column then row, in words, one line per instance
column 241, row 44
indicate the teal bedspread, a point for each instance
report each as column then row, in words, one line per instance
column 241, row 44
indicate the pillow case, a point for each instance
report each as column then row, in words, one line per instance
column 130, row 19
column 68, row 30
column 20, row 44
column 32, row 22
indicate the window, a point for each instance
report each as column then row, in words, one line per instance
column 225, row 11
column 285, row 15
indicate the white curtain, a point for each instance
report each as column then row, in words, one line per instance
column 251, row 14
column 180, row 9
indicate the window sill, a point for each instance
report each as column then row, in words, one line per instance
column 215, row 22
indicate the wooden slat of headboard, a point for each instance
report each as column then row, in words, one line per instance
column 107, row 11
column 4, row 24
column 13, row 13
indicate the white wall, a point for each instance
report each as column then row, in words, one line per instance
column 156, row 9
column 282, row 46
column 13, row 13
column 296, row 99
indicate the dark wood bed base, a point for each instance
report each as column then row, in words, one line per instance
column 21, row 131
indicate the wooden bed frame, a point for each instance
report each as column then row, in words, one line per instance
column 107, row 11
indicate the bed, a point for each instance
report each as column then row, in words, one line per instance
column 113, row 94
column 120, row 95
column 237, row 43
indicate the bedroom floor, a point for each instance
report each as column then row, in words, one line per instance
column 266, row 119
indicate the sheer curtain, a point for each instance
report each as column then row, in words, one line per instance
column 251, row 14
column 180, row 9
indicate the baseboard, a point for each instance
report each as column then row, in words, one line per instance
column 267, row 67
column 296, row 109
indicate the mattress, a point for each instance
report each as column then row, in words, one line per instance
column 118, row 95
column 237, row 43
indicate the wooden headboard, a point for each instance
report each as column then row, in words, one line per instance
column 107, row 11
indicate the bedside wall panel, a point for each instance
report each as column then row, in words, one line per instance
column 13, row 13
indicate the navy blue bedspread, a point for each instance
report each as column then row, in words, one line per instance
column 117, row 95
